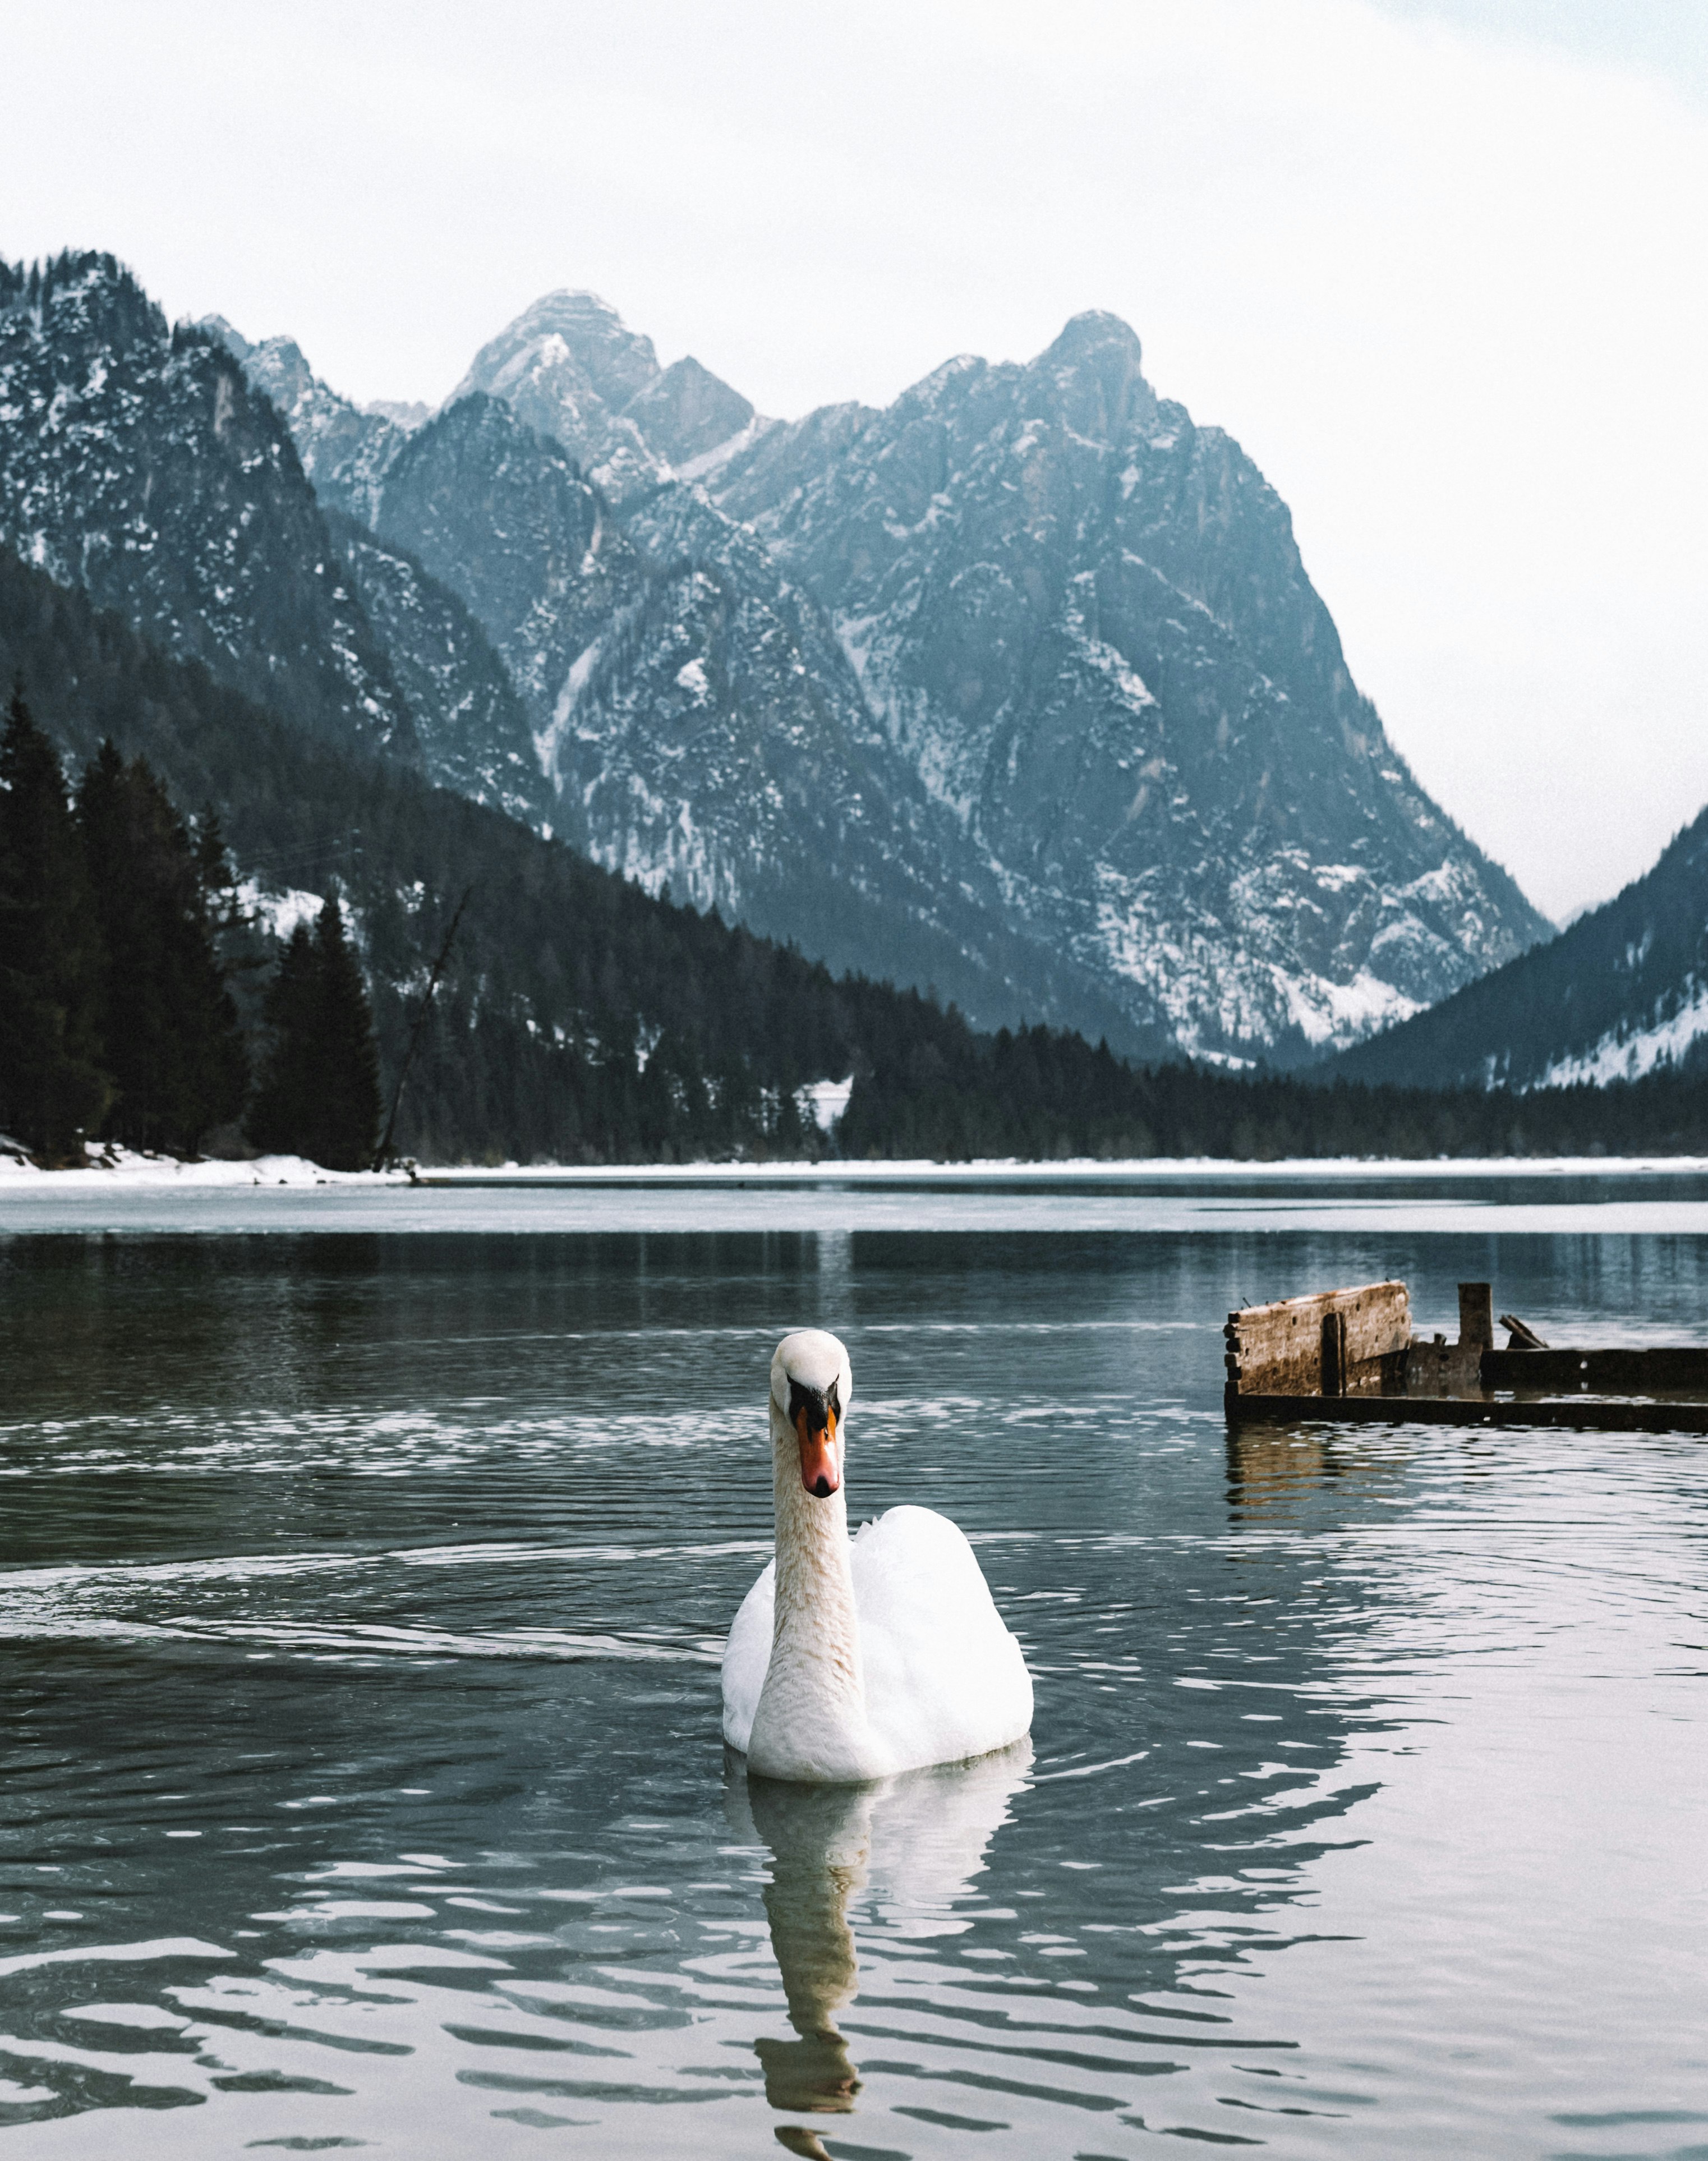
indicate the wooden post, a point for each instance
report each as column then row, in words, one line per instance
column 1334, row 1354
column 1476, row 1316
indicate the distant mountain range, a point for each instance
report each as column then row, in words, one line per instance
column 1017, row 688
column 1620, row 993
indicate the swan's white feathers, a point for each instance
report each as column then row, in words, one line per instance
column 746, row 1657
column 857, row 1659
column 943, row 1679
column 815, row 1358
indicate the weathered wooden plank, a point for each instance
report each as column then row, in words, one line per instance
column 1633, row 1371
column 1597, row 1416
column 1334, row 1353
column 1279, row 1347
column 1523, row 1336
column 1475, row 1316
column 1438, row 1369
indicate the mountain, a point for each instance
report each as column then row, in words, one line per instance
column 638, row 653
column 1084, row 623
column 137, row 462
column 580, row 1020
column 1083, row 636
column 1017, row 687
column 474, row 730
column 152, row 468
column 570, row 368
column 1622, row 994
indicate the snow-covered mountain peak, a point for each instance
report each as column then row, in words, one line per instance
column 688, row 411
column 574, row 340
column 1094, row 371
column 570, row 368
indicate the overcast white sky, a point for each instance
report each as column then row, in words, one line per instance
column 1439, row 264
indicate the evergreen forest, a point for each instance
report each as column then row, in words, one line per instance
column 574, row 1018
column 121, row 941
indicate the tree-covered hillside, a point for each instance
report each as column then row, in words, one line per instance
column 1621, row 992
column 580, row 1020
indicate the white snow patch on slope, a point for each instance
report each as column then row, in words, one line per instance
column 1327, row 1012
column 708, row 461
column 826, row 1101
column 280, row 912
column 1627, row 1057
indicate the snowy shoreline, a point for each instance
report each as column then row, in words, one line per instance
column 126, row 1166
column 127, row 1169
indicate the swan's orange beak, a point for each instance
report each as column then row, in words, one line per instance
column 821, row 1455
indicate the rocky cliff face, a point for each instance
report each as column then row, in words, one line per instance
column 345, row 450
column 473, row 728
column 503, row 516
column 570, row 369
column 137, row 462
column 1084, row 625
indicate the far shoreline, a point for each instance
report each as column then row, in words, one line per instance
column 139, row 1172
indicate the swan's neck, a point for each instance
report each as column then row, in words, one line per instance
column 811, row 1716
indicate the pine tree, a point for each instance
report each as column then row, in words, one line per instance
column 282, row 1114
column 349, row 1116
column 53, row 1086
column 319, row 1096
column 174, row 1045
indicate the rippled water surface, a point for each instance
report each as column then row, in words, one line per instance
column 366, row 1562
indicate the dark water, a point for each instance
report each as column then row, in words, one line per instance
column 360, row 1608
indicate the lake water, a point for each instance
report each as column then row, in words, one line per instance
column 365, row 1559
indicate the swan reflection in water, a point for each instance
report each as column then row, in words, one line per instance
column 917, row 1841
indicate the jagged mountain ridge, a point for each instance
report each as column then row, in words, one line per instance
column 1023, row 673
column 148, row 466
column 1084, row 629
column 1084, row 624
column 137, row 462
column 570, row 368
column 1620, row 993
column 667, row 641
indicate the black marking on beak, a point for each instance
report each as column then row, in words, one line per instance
column 819, row 1404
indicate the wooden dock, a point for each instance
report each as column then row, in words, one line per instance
column 1351, row 1356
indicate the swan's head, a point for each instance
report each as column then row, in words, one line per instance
column 811, row 1381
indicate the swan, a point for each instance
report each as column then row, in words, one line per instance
column 857, row 1659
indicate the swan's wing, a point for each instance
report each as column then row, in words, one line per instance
column 746, row 1657
column 944, row 1678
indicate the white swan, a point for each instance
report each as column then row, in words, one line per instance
column 856, row 1658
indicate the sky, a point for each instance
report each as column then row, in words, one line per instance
column 1439, row 265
